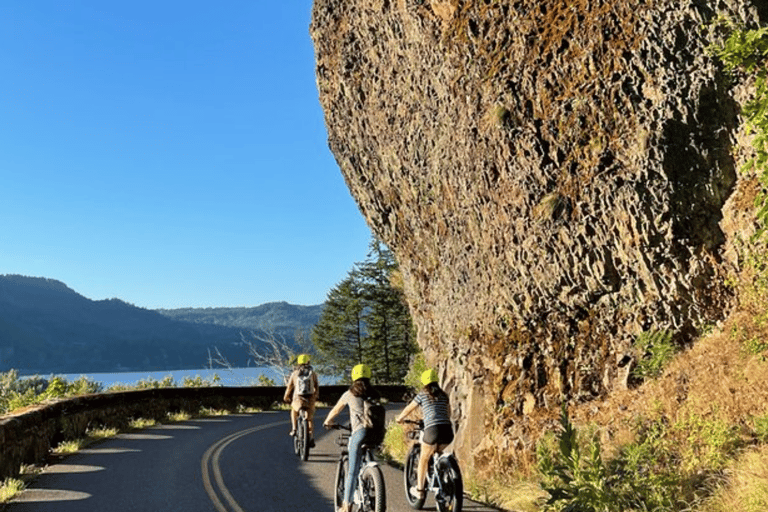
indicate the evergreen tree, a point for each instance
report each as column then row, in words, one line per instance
column 338, row 335
column 365, row 319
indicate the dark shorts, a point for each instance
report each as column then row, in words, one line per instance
column 438, row 434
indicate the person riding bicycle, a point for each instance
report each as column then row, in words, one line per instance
column 302, row 392
column 438, row 429
column 361, row 387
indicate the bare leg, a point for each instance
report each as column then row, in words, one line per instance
column 294, row 417
column 310, row 422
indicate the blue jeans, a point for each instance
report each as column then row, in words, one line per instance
column 355, row 440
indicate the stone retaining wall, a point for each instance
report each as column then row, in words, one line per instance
column 28, row 436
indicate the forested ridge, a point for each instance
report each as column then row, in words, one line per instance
column 47, row 327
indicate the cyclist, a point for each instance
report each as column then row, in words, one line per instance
column 361, row 387
column 302, row 392
column 438, row 430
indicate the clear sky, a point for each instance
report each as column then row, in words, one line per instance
column 170, row 153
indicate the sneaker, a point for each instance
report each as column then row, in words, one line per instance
column 312, row 443
column 292, row 433
column 417, row 493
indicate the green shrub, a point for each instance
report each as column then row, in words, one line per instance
column 747, row 51
column 708, row 443
column 656, row 350
column 266, row 381
column 643, row 476
column 413, row 377
column 199, row 382
column 575, row 480
column 16, row 393
column 760, row 425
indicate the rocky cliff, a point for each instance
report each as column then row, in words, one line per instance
column 552, row 177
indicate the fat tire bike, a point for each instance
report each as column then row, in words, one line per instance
column 370, row 494
column 301, row 438
column 443, row 476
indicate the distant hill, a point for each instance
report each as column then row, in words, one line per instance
column 278, row 316
column 46, row 327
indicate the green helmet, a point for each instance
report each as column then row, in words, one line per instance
column 429, row 376
column 361, row 371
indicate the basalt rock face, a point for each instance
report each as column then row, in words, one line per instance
column 551, row 176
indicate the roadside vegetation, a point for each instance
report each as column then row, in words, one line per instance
column 17, row 393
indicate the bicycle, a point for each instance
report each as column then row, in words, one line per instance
column 443, row 475
column 369, row 495
column 301, row 440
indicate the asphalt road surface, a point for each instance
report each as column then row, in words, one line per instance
column 237, row 463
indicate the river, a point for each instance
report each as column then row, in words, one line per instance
column 228, row 376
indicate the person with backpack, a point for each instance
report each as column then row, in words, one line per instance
column 302, row 392
column 438, row 429
column 367, row 421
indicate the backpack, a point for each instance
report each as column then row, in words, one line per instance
column 305, row 383
column 373, row 419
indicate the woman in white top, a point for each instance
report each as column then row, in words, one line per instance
column 353, row 398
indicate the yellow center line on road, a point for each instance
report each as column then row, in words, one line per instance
column 211, row 458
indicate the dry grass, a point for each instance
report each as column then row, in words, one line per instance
column 509, row 491
column 746, row 485
column 709, row 407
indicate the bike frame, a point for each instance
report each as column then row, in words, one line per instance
column 369, row 463
column 434, row 482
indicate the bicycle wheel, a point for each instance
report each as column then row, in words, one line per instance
column 372, row 487
column 341, row 475
column 300, row 441
column 304, row 430
column 410, row 476
column 450, row 497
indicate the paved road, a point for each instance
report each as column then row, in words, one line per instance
column 238, row 463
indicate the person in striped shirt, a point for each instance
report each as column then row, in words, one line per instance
column 438, row 429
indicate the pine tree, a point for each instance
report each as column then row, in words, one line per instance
column 366, row 319
column 338, row 335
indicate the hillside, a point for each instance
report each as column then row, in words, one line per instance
column 279, row 317
column 47, row 327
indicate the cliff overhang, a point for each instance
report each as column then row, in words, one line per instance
column 553, row 177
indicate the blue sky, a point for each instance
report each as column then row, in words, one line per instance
column 170, row 153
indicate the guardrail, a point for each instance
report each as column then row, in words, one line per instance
column 27, row 436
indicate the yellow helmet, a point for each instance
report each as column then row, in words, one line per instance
column 303, row 359
column 361, row 371
column 429, row 376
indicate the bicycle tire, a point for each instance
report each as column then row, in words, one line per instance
column 341, row 473
column 299, row 438
column 296, row 441
column 451, row 495
column 374, row 494
column 304, row 429
column 410, row 475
